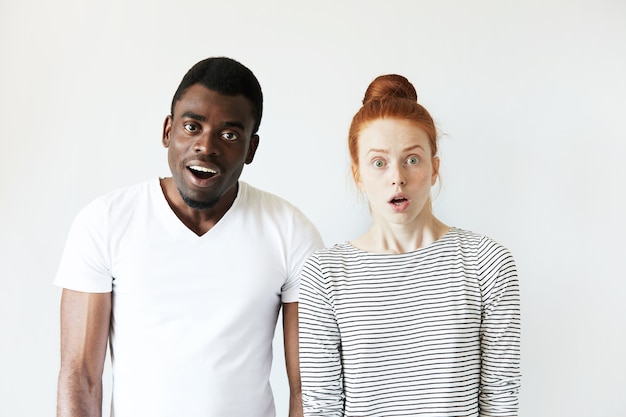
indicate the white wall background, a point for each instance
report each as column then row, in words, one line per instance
column 530, row 98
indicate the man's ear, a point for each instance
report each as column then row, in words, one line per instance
column 167, row 128
column 436, row 162
column 254, row 143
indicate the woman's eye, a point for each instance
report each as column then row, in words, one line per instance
column 379, row 163
column 189, row 127
column 230, row 136
column 412, row 160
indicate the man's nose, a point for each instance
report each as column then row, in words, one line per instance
column 206, row 144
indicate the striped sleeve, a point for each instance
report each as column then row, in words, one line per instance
column 500, row 331
column 320, row 357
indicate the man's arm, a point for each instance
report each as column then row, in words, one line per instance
column 85, row 321
column 292, row 358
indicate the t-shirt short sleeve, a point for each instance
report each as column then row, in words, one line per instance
column 85, row 262
column 305, row 240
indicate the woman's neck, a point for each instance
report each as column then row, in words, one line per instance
column 384, row 237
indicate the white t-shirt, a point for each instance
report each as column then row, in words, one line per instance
column 193, row 316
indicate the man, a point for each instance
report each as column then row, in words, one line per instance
column 185, row 276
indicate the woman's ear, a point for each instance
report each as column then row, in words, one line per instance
column 356, row 175
column 436, row 162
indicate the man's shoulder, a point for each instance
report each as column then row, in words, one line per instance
column 123, row 199
column 256, row 196
column 129, row 191
column 275, row 210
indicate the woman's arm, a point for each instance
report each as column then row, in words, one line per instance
column 320, row 358
column 500, row 332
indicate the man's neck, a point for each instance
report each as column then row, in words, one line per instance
column 199, row 221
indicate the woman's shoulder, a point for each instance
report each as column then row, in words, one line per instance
column 471, row 238
column 340, row 249
column 484, row 248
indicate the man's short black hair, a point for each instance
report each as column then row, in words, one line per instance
column 228, row 77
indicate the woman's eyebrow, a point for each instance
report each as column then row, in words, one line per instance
column 386, row 151
column 377, row 150
column 410, row 148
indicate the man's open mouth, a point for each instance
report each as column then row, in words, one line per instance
column 201, row 172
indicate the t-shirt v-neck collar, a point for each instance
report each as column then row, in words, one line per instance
column 171, row 221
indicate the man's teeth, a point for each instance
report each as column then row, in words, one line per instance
column 202, row 169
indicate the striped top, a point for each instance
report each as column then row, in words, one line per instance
column 433, row 332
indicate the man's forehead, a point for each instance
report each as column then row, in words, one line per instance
column 198, row 95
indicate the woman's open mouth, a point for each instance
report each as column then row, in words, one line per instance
column 399, row 202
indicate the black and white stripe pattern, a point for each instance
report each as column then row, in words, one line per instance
column 433, row 332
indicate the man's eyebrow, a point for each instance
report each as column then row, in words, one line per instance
column 234, row 124
column 192, row 115
column 200, row 118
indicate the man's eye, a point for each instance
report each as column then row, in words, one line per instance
column 412, row 160
column 379, row 163
column 230, row 136
column 189, row 127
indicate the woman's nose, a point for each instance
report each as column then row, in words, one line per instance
column 398, row 176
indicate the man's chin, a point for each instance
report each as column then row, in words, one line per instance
column 197, row 204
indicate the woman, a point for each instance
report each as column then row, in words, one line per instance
column 414, row 318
